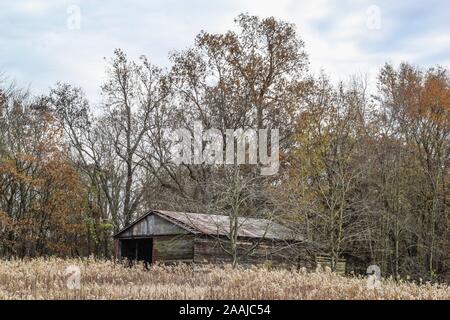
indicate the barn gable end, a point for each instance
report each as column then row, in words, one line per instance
column 151, row 225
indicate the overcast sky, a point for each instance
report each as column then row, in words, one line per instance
column 42, row 41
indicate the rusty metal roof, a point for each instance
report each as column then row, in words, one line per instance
column 213, row 224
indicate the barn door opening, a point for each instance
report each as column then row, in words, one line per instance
column 144, row 250
column 137, row 249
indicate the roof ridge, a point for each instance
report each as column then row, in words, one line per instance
column 220, row 215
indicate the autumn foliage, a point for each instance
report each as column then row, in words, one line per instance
column 364, row 171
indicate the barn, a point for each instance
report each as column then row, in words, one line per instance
column 168, row 237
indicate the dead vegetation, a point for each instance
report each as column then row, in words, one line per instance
column 56, row 279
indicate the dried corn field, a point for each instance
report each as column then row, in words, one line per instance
column 58, row 279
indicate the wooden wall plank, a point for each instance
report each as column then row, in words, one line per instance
column 210, row 250
column 173, row 248
column 152, row 225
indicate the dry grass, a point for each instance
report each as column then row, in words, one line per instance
column 47, row 279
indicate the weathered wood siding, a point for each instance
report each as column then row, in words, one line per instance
column 172, row 243
column 325, row 261
column 152, row 225
column 211, row 250
column 173, row 248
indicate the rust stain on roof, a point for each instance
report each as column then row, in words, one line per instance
column 213, row 224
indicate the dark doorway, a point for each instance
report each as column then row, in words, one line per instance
column 137, row 249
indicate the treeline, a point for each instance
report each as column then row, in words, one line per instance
column 363, row 174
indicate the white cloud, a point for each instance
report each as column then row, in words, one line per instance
column 35, row 6
column 38, row 47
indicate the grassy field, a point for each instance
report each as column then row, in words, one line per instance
column 93, row 279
